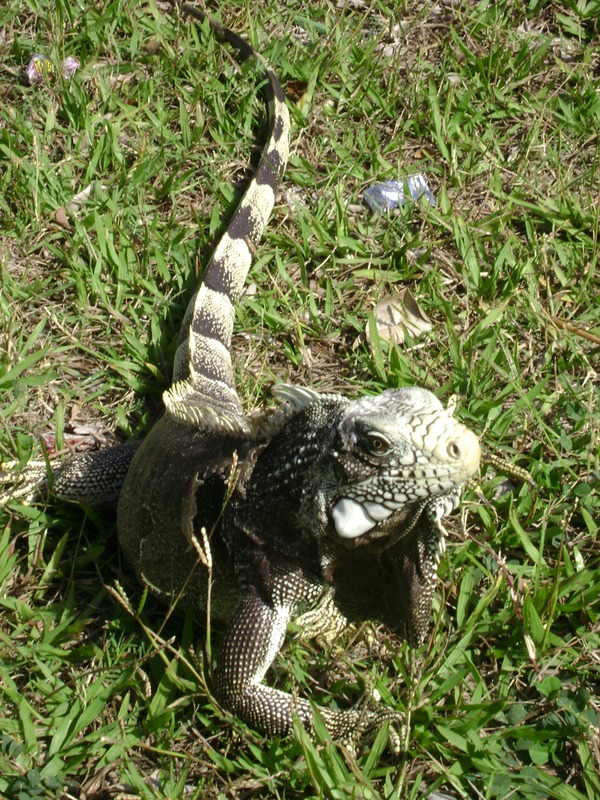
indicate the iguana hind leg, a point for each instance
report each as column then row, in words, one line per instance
column 92, row 479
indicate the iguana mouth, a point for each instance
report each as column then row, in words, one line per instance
column 360, row 524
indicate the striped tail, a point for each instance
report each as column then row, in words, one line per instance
column 203, row 392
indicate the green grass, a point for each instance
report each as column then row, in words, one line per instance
column 498, row 104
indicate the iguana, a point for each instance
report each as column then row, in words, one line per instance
column 324, row 502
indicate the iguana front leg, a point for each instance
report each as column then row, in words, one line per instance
column 253, row 639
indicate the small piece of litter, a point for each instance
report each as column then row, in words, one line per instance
column 70, row 66
column 38, row 69
column 386, row 196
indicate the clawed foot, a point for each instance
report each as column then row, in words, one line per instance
column 26, row 485
column 323, row 623
column 373, row 717
column 361, row 724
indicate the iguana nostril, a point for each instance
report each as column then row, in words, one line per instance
column 455, row 450
column 463, row 449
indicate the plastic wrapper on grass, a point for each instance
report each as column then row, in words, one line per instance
column 70, row 66
column 41, row 68
column 38, row 69
column 388, row 195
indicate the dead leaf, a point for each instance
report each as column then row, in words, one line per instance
column 397, row 315
column 80, row 199
column 152, row 46
column 60, row 217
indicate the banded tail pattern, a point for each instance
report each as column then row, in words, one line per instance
column 203, row 392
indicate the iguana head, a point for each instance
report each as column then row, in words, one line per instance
column 354, row 471
column 354, row 492
column 393, row 466
column 397, row 450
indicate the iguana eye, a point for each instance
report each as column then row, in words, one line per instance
column 376, row 443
